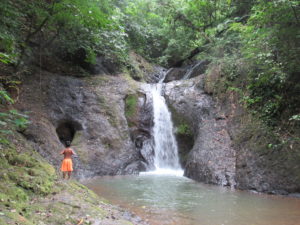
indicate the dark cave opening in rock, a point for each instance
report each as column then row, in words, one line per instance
column 66, row 130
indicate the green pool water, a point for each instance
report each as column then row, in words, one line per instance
column 165, row 199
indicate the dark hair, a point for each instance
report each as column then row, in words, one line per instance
column 68, row 143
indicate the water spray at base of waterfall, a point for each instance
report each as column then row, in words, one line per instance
column 169, row 172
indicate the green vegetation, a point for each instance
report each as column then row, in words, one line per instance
column 5, row 98
column 130, row 105
column 72, row 30
column 24, row 175
column 269, row 48
column 253, row 47
column 131, row 109
column 161, row 31
column 254, row 43
column 11, row 121
column 31, row 192
column 184, row 129
column 166, row 31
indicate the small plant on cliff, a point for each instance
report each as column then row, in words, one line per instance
column 131, row 109
column 10, row 121
column 131, row 103
column 184, row 129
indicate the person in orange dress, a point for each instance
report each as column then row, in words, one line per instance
column 67, row 164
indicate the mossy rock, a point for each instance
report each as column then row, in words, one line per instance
column 131, row 105
column 131, row 109
column 110, row 110
column 11, row 192
column 25, row 187
column 20, row 159
column 23, row 176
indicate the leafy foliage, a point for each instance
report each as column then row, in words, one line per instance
column 167, row 31
column 163, row 32
column 258, row 59
column 59, row 28
column 270, row 45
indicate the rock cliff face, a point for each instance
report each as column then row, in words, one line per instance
column 90, row 113
column 211, row 159
column 259, row 167
column 224, row 144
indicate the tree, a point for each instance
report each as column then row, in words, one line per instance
column 31, row 26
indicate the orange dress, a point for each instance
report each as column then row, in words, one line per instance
column 67, row 164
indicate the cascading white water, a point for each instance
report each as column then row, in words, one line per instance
column 190, row 71
column 166, row 160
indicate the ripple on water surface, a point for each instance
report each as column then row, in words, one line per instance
column 174, row 199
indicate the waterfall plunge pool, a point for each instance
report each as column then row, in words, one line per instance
column 169, row 200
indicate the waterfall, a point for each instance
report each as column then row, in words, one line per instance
column 196, row 69
column 166, row 158
column 190, row 71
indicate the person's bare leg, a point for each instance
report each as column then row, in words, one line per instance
column 69, row 174
column 64, row 175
